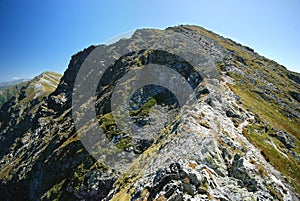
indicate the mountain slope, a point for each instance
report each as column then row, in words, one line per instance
column 10, row 89
column 270, row 91
column 39, row 86
column 17, row 113
column 238, row 138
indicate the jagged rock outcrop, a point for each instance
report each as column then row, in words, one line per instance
column 237, row 139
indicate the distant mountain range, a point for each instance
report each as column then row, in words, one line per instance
column 10, row 88
column 5, row 85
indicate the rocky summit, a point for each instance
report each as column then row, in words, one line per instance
column 236, row 137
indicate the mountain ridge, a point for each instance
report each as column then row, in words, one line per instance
column 249, row 113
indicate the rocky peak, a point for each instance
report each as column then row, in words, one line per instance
column 237, row 139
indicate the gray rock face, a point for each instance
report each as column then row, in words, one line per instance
column 285, row 138
column 295, row 77
column 295, row 95
column 97, row 186
column 202, row 169
column 202, row 151
column 239, row 172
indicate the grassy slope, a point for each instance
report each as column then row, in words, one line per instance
column 42, row 85
column 47, row 83
column 271, row 111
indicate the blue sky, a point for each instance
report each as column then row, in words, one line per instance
column 36, row 35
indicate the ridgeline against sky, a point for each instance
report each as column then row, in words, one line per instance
column 42, row 35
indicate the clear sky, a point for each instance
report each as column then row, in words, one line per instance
column 36, row 35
